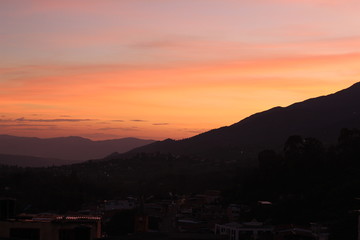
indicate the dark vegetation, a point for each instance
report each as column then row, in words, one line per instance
column 309, row 183
column 306, row 181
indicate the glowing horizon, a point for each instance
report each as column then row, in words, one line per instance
column 167, row 69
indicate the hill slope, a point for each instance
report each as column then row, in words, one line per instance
column 70, row 148
column 30, row 161
column 322, row 117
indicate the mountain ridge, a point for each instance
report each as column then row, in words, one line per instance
column 319, row 117
column 72, row 148
column 31, row 161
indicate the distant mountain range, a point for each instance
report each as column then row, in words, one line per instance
column 322, row 118
column 30, row 161
column 69, row 149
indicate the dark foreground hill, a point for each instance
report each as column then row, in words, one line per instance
column 30, row 161
column 69, row 148
column 322, row 118
column 306, row 182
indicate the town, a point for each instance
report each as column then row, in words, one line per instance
column 198, row 216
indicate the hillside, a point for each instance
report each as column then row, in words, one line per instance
column 30, row 161
column 322, row 117
column 67, row 148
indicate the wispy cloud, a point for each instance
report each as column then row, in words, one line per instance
column 160, row 124
column 27, row 125
column 6, row 120
column 123, row 129
column 38, row 129
column 53, row 120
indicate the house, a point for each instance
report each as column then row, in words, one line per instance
column 124, row 204
column 296, row 232
column 249, row 230
column 259, row 231
column 50, row 226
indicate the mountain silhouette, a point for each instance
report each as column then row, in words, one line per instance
column 322, row 118
column 68, row 148
column 30, row 161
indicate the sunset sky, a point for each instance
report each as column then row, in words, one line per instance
column 159, row 69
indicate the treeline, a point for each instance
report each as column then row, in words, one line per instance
column 70, row 187
column 307, row 182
